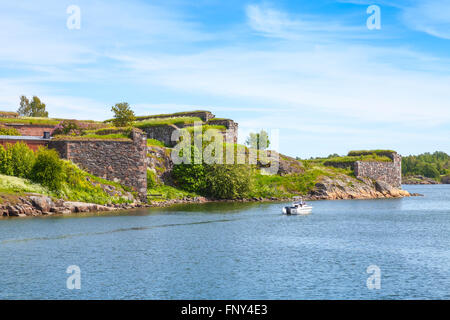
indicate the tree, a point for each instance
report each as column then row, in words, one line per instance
column 227, row 181
column 35, row 108
column 24, row 109
column 258, row 141
column 123, row 115
column 429, row 171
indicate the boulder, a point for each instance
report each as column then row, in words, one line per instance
column 13, row 211
column 42, row 203
column 383, row 187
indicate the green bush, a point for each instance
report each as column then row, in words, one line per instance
column 16, row 160
column 82, row 186
column 190, row 177
column 22, row 160
column 5, row 161
column 227, row 181
column 4, row 131
column 48, row 170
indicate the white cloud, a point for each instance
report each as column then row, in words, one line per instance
column 270, row 22
column 432, row 17
column 340, row 79
column 303, row 74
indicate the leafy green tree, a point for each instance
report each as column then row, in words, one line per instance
column 33, row 108
column 24, row 109
column 431, row 165
column 123, row 115
column 258, row 141
column 430, row 171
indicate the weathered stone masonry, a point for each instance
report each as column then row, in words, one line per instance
column 389, row 172
column 164, row 132
column 123, row 161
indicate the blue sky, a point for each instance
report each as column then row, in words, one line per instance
column 310, row 69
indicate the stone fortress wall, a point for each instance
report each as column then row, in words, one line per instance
column 389, row 172
column 122, row 161
column 164, row 132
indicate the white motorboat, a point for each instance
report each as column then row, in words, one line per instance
column 298, row 208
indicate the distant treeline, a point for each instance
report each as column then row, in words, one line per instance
column 431, row 165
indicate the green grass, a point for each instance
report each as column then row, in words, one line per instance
column 109, row 130
column 83, row 186
column 347, row 160
column 117, row 136
column 39, row 120
column 9, row 184
column 166, row 121
column 168, row 115
column 31, row 120
column 267, row 186
column 154, row 142
column 163, row 115
column 218, row 119
column 78, row 186
column 370, row 152
column 169, row 193
column 207, row 127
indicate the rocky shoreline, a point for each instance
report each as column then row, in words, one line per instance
column 37, row 205
column 340, row 187
column 423, row 180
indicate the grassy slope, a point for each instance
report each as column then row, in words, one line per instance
column 267, row 186
column 79, row 186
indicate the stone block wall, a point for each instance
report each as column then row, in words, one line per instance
column 115, row 160
column 162, row 133
column 232, row 128
column 389, row 172
column 340, row 165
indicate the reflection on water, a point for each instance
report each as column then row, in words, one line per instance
column 235, row 251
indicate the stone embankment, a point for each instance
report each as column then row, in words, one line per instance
column 345, row 187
